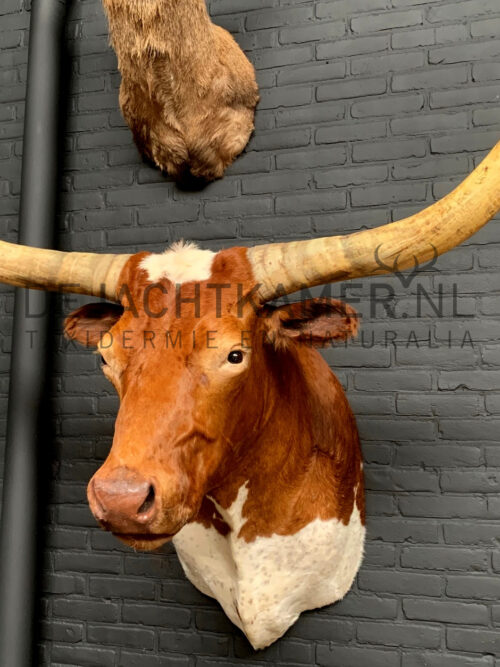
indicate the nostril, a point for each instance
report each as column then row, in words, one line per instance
column 123, row 501
column 148, row 502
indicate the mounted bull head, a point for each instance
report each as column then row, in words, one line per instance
column 233, row 437
column 188, row 92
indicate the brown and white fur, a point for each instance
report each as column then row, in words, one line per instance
column 252, row 468
column 188, row 92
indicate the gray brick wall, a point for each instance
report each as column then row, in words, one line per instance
column 371, row 109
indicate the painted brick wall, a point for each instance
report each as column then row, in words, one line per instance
column 371, row 109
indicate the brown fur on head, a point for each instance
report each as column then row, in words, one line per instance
column 195, row 419
column 188, row 92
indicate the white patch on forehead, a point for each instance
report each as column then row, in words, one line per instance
column 264, row 585
column 181, row 263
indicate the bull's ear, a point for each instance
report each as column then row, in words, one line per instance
column 89, row 323
column 315, row 321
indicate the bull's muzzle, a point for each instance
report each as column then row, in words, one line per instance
column 123, row 501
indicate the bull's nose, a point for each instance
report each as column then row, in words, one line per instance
column 123, row 500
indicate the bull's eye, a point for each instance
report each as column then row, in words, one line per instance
column 103, row 361
column 235, row 357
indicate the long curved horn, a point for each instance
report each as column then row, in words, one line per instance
column 282, row 268
column 78, row 272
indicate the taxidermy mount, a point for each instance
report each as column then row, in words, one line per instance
column 233, row 437
column 188, row 92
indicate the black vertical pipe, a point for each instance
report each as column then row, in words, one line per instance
column 18, row 527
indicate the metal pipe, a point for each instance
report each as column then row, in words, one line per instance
column 18, row 527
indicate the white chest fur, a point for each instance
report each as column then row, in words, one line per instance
column 264, row 585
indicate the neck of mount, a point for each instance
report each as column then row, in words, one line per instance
column 179, row 29
column 295, row 447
